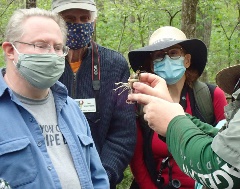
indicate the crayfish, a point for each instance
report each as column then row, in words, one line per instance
column 129, row 85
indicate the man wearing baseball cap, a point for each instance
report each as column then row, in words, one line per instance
column 91, row 72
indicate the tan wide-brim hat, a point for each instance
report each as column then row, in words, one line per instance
column 227, row 78
column 165, row 37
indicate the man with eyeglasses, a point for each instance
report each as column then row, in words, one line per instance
column 45, row 140
column 90, row 74
column 180, row 62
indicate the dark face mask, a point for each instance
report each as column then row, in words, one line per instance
column 79, row 35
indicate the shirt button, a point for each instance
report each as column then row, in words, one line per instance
column 39, row 144
column 49, row 168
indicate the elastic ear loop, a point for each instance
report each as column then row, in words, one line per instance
column 14, row 63
column 16, row 51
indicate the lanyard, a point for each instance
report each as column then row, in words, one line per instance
column 96, row 77
column 95, row 67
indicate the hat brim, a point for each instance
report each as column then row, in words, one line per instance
column 85, row 6
column 227, row 78
column 195, row 47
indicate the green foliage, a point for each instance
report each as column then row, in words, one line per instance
column 127, row 25
column 128, row 178
column 2, row 64
column 6, row 9
column 224, row 47
column 141, row 20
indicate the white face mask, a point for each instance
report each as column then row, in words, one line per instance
column 170, row 70
column 40, row 70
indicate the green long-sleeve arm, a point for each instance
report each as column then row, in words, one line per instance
column 189, row 141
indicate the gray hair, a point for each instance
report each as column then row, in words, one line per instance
column 14, row 30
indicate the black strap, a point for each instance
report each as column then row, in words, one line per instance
column 95, row 67
column 164, row 164
column 147, row 145
column 96, row 75
column 183, row 97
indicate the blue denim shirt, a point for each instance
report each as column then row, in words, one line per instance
column 24, row 161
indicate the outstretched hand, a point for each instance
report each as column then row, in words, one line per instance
column 159, row 108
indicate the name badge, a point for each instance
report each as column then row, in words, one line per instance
column 87, row 105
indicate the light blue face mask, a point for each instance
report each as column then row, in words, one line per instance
column 169, row 69
column 40, row 70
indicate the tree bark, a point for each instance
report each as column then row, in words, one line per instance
column 189, row 11
column 31, row 4
column 203, row 32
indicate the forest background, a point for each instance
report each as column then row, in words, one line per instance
column 124, row 25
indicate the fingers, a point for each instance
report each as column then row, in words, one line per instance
column 145, row 89
column 150, row 79
column 160, row 90
column 140, row 98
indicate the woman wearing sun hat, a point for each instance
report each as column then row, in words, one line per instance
column 180, row 61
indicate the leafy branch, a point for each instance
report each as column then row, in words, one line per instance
column 171, row 16
column 6, row 8
column 229, row 39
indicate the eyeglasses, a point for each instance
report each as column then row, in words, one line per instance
column 43, row 48
column 174, row 53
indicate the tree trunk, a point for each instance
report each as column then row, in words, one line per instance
column 189, row 11
column 189, row 26
column 204, row 28
column 203, row 32
column 31, row 4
